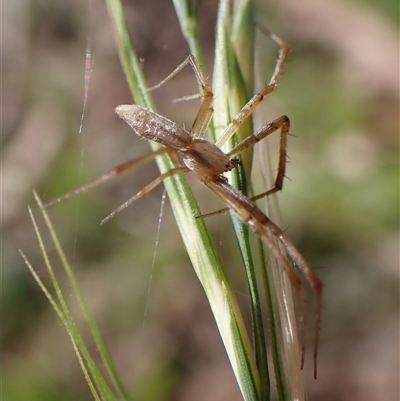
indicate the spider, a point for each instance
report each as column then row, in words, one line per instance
column 209, row 162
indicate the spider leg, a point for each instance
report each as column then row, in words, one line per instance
column 146, row 190
column 308, row 274
column 204, row 115
column 253, row 103
column 118, row 170
column 282, row 123
column 258, row 221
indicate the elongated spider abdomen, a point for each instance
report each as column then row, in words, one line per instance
column 153, row 126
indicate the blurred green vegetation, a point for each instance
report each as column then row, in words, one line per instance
column 340, row 203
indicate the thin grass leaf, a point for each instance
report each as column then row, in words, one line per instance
column 286, row 347
column 105, row 356
column 88, row 366
column 58, row 311
column 187, row 12
column 231, row 93
column 273, row 326
column 233, row 76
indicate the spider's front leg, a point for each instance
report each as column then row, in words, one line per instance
column 248, row 109
column 204, row 115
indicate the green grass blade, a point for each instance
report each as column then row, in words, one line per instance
column 187, row 13
column 273, row 326
column 89, row 367
column 58, row 310
column 233, row 83
column 231, row 93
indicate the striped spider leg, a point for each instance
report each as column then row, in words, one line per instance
column 209, row 162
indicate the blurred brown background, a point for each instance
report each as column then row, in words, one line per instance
column 340, row 206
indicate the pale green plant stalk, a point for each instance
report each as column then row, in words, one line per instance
column 233, row 87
